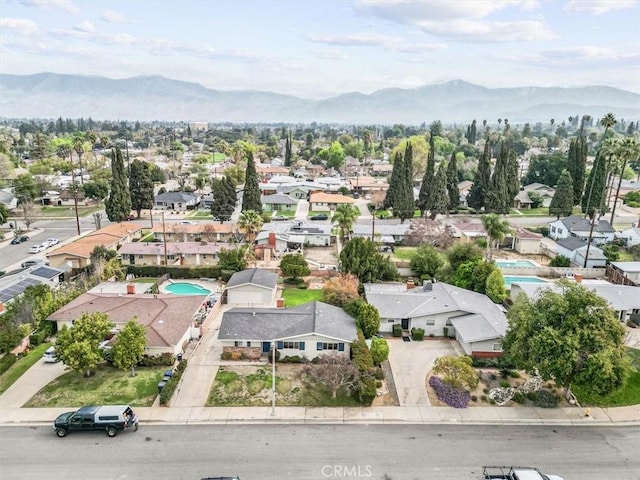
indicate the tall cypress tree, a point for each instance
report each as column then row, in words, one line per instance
column 594, row 192
column 452, row 182
column 513, row 176
column 562, row 202
column 424, row 201
column 404, row 204
column 140, row 187
column 251, row 197
column 497, row 200
column 397, row 177
column 287, row 151
column 440, row 203
column 224, row 198
column 118, row 203
column 577, row 165
column 482, row 180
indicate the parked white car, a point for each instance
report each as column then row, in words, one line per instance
column 37, row 249
column 52, row 241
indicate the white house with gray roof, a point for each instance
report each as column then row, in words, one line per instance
column 471, row 318
column 254, row 286
column 575, row 249
column 575, row 226
column 306, row 331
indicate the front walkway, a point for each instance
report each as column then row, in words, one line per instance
column 302, row 210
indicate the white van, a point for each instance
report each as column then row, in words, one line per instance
column 50, row 355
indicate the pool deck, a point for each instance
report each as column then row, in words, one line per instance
column 213, row 285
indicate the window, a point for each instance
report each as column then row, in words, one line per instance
column 237, row 344
column 497, row 347
column 560, row 231
column 141, row 256
column 391, row 320
column 171, row 257
column 248, row 344
column 448, row 323
column 293, row 345
column 330, row 346
column 431, row 322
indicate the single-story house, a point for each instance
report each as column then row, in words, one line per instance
column 266, row 171
column 467, row 230
column 523, row 198
column 179, row 232
column 177, row 253
column 441, row 309
column 575, row 226
column 526, row 242
column 293, row 236
column 8, row 199
column 278, row 202
column 298, row 191
column 253, row 286
column 630, row 236
column 381, row 169
column 170, row 320
column 307, row 331
column 624, row 273
column 13, row 285
column 364, row 185
column 383, row 233
column 624, row 299
column 176, row 201
column 575, row 249
column 320, row 201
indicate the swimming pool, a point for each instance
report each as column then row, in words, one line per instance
column 185, row 288
column 515, row 264
column 509, row 279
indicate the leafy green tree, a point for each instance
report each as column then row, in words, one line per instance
column 440, row 196
column 129, row 346
column 482, row 180
column 427, row 261
column 379, row 350
column 79, row 346
column 497, row 198
column 118, row 203
column 560, row 261
column 96, row 189
column 570, row 336
column 250, row 223
column 366, row 315
column 546, row 169
column 233, row 259
column 456, row 371
column 562, row 202
column 495, row 287
column 4, row 213
column 140, row 187
column 335, row 156
column 251, row 199
column 452, row 181
column 497, row 229
column 157, row 174
column 595, row 189
column 345, row 216
column 224, row 198
column 461, row 253
column 25, row 187
column 473, row 275
column 361, row 258
column 294, row 265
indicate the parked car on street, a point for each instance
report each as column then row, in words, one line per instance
column 279, row 218
column 19, row 239
column 110, row 418
column 50, row 355
column 320, row 216
column 34, row 262
column 53, row 241
column 37, row 248
column 515, row 473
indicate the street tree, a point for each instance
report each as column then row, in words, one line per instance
column 251, row 199
column 345, row 216
column 334, row 372
column 379, row 350
column 497, row 229
column 294, row 265
column 140, row 187
column 78, row 346
column 250, row 223
column 129, row 346
column 456, row 371
column 570, row 335
column 360, row 257
column 340, row 290
column 562, row 202
column 118, row 203
column 427, row 261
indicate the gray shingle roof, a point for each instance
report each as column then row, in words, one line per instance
column 175, row 197
column 279, row 199
column 476, row 328
column 574, row 223
column 253, row 276
column 571, row 243
column 263, row 324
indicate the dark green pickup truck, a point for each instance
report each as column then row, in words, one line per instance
column 110, row 418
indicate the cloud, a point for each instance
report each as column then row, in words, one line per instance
column 65, row 5
column 20, row 25
column 598, row 7
column 390, row 43
column 463, row 20
column 586, row 56
column 332, row 54
column 86, row 27
column 111, row 16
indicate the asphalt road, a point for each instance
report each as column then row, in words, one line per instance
column 306, row 452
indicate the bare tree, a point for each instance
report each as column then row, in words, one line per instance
column 28, row 211
column 334, row 372
column 424, row 230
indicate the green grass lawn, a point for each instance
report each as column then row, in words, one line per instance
column 298, row 296
column 629, row 394
column 404, row 253
column 67, row 211
column 16, row 370
column 200, row 214
column 254, row 389
column 108, row 386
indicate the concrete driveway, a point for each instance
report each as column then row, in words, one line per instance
column 410, row 363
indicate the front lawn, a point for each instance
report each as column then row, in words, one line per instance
column 298, row 296
column 404, row 253
column 201, row 214
column 67, row 211
column 108, row 386
column 251, row 386
column 629, row 394
column 16, row 370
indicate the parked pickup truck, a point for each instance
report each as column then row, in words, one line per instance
column 110, row 418
column 515, row 473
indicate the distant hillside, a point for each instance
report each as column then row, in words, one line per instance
column 50, row 95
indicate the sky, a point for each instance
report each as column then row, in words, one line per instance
column 317, row 49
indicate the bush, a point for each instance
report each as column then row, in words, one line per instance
column 495, row 362
column 378, row 373
column 172, row 383
column 474, row 398
column 417, row 333
column 397, row 330
column 514, row 374
column 493, row 377
column 560, row 261
column 226, row 356
column 366, row 390
column 546, row 399
column 6, row 362
column 518, row 397
column 484, row 398
column 533, row 396
column 292, row 359
column 454, row 397
column 174, row 272
column 485, row 391
column 505, row 383
column 39, row 336
column 164, row 359
column 504, row 372
column 378, row 383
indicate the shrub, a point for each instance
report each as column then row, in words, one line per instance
column 378, row 373
column 454, row 397
column 474, row 398
column 6, row 361
column 172, row 383
column 164, row 359
column 366, row 390
column 533, row 396
column 546, row 399
column 505, row 383
column 492, row 401
column 378, row 383
column 484, row 398
column 493, row 377
column 518, row 397
column 514, row 374
column 397, row 330
column 292, row 359
column 39, row 336
column 226, row 356
column 504, row 372
column 445, row 332
column 560, row 261
column 485, row 391
column 417, row 333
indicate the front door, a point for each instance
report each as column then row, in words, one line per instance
column 405, row 324
column 266, row 347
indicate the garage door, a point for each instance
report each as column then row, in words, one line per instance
column 240, row 297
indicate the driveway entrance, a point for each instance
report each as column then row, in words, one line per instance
column 410, row 363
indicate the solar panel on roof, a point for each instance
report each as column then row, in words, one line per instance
column 45, row 272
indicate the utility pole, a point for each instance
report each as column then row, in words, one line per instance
column 593, row 221
column 164, row 239
column 75, row 193
column 273, row 379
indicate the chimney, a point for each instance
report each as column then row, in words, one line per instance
column 272, row 238
column 427, row 286
column 131, row 288
column 578, row 277
column 410, row 285
column 280, row 303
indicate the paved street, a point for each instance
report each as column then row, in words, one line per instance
column 316, row 452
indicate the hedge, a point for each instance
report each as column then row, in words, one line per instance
column 172, row 383
column 6, row 362
column 178, row 271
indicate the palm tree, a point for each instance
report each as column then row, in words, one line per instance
column 249, row 224
column 62, row 151
column 345, row 216
column 496, row 229
column 629, row 150
column 608, row 121
column 78, row 147
column 552, row 121
column 610, row 149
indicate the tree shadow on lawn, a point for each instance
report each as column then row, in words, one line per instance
column 107, row 386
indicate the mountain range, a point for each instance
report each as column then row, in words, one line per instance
column 146, row 98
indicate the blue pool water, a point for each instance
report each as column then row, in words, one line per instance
column 515, row 264
column 509, row 279
column 185, row 288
